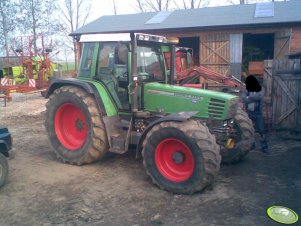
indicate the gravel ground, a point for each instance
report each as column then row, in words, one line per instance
column 116, row 191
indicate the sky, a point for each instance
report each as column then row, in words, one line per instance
column 100, row 8
column 105, row 7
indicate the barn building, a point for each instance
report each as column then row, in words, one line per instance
column 225, row 38
column 236, row 40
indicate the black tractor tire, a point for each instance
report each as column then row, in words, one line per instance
column 3, row 170
column 243, row 143
column 70, row 110
column 198, row 156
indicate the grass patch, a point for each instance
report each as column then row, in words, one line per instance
column 68, row 66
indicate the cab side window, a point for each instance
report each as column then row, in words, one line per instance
column 87, row 59
column 106, row 58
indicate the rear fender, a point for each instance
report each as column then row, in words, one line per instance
column 177, row 117
column 58, row 83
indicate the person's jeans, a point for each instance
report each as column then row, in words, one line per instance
column 258, row 120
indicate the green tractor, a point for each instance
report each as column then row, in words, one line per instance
column 124, row 96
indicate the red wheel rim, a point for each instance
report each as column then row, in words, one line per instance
column 174, row 160
column 71, row 126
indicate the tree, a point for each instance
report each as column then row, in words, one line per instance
column 243, row 2
column 7, row 25
column 115, row 8
column 153, row 5
column 36, row 18
column 190, row 4
column 165, row 5
column 74, row 14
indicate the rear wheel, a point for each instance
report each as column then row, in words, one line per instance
column 244, row 140
column 3, row 169
column 181, row 157
column 75, row 127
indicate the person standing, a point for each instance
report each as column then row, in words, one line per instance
column 253, row 98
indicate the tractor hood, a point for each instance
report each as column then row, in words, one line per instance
column 170, row 99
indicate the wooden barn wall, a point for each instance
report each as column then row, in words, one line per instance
column 295, row 46
column 282, row 43
column 215, row 45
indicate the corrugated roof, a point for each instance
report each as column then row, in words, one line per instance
column 284, row 12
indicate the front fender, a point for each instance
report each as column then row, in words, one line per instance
column 177, row 117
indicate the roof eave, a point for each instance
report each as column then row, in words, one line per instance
column 213, row 27
column 235, row 26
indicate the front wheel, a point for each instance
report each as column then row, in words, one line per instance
column 3, row 169
column 181, row 157
column 243, row 141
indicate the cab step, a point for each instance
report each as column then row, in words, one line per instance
column 118, row 144
column 118, row 132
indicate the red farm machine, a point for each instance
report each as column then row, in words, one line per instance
column 189, row 75
column 28, row 69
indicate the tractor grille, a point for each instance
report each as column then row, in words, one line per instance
column 216, row 108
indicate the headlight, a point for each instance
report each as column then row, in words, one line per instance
column 228, row 123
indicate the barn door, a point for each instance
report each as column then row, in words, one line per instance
column 215, row 52
column 286, row 98
column 282, row 44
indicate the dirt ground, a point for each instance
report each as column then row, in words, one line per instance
column 116, row 191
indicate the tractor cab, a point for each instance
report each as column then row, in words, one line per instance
column 107, row 58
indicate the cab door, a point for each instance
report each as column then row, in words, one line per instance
column 112, row 71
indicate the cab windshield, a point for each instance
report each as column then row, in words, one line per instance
column 150, row 63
